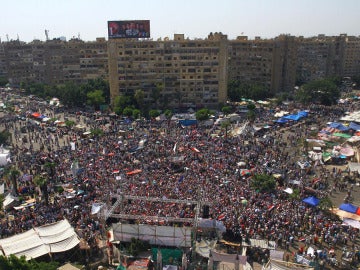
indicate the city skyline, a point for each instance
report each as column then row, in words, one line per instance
column 27, row 20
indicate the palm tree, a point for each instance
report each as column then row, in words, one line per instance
column 50, row 167
column 13, row 173
column 41, row 181
column 225, row 125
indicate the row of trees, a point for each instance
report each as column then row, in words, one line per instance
column 325, row 91
column 97, row 92
column 94, row 93
column 14, row 263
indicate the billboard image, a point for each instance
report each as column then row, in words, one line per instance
column 129, row 29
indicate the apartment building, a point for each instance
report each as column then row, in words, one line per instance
column 319, row 57
column 351, row 56
column 54, row 61
column 268, row 62
column 182, row 72
column 188, row 73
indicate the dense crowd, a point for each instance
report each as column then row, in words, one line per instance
column 167, row 161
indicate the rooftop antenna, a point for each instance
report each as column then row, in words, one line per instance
column 47, row 34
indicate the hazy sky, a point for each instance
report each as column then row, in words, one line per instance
column 28, row 19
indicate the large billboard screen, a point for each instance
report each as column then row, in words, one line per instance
column 129, row 29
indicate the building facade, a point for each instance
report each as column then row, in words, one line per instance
column 54, row 61
column 182, row 72
column 190, row 73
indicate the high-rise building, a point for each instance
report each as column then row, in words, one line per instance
column 351, row 57
column 54, row 61
column 267, row 62
column 183, row 72
column 319, row 57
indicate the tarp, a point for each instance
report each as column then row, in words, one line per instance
column 313, row 201
column 188, row 122
column 348, row 207
column 354, row 126
column 338, row 126
column 342, row 135
column 52, row 238
column 282, row 120
column 351, row 222
column 347, row 151
column 294, row 117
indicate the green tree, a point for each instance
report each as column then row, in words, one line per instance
column 226, row 110
column 121, row 102
column 156, row 93
column 3, row 81
column 69, row 123
column 5, row 137
column 295, row 196
column 128, row 111
column 323, row 91
column 139, row 98
column 203, row 114
column 136, row 246
column 238, row 90
column 251, row 114
column 326, row 203
column 225, row 125
column 154, row 113
column 168, row 114
column 71, row 95
column 14, row 263
column 97, row 132
column 98, row 84
column 136, row 113
column 50, row 167
column 41, row 180
column 12, row 173
column 234, row 92
column 95, row 98
column 263, row 183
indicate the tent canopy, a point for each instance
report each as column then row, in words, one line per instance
column 348, row 207
column 313, row 201
column 52, row 238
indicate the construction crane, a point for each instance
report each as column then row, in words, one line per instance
column 47, row 34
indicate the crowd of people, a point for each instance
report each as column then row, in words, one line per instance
column 167, row 161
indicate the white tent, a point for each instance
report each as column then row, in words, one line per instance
column 9, row 201
column 4, row 156
column 52, row 238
